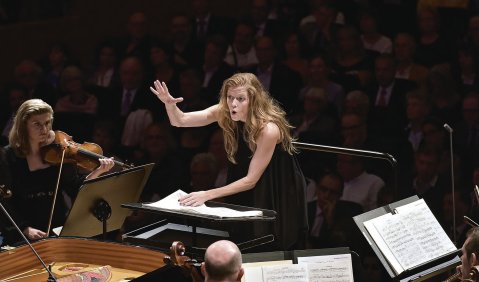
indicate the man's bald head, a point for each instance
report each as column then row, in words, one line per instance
column 223, row 262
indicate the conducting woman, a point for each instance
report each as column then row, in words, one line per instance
column 263, row 171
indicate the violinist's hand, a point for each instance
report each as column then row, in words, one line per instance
column 105, row 165
column 195, row 199
column 34, row 234
column 161, row 91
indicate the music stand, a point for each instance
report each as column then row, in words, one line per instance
column 97, row 207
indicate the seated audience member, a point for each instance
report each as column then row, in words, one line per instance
column 328, row 212
column 203, row 172
column 105, row 72
column 319, row 77
column 351, row 65
column 162, row 66
column 372, row 39
column 13, row 97
column 241, row 54
column 418, row 107
column 359, row 186
column 356, row 102
column 315, row 124
column 158, row 146
column 428, row 183
column 76, row 99
column 294, row 56
column 55, row 63
column 214, row 70
column 29, row 74
column 278, row 79
column 137, row 41
column 433, row 48
column 187, row 51
column 470, row 251
column 407, row 68
column 222, row 262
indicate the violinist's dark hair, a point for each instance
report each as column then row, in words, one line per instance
column 18, row 137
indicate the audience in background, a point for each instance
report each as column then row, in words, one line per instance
column 328, row 48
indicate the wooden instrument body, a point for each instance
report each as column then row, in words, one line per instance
column 126, row 261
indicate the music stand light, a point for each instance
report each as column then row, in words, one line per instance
column 97, row 207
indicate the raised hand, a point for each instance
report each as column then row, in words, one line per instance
column 161, row 91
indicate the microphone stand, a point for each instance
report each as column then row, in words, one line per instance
column 449, row 129
column 51, row 277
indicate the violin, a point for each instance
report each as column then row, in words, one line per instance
column 84, row 155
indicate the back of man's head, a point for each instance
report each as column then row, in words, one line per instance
column 222, row 262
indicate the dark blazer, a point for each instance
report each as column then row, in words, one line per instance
column 216, row 25
column 392, row 119
column 342, row 220
column 284, row 86
column 110, row 104
column 212, row 90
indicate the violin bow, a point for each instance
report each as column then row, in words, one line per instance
column 55, row 194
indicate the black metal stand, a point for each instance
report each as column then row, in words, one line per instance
column 102, row 211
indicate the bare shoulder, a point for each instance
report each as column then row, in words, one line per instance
column 270, row 131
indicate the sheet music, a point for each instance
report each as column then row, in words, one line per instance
column 285, row 273
column 410, row 237
column 400, row 241
column 431, row 237
column 329, row 268
column 171, row 203
column 253, row 271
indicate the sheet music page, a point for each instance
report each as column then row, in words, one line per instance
column 171, row 202
column 285, row 273
column 329, row 268
column 253, row 271
column 383, row 247
column 428, row 232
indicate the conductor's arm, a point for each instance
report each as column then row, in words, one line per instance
column 179, row 118
column 266, row 143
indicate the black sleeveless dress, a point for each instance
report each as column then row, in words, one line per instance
column 281, row 188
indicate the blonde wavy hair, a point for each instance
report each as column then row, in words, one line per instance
column 262, row 108
column 18, row 136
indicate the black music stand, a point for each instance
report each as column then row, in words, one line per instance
column 418, row 273
column 196, row 231
column 97, row 207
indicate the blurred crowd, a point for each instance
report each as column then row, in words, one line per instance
column 378, row 75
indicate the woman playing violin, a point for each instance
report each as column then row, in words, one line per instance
column 34, row 181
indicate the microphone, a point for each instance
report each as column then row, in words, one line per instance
column 449, row 129
column 51, row 277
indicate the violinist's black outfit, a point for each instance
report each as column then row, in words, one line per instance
column 33, row 192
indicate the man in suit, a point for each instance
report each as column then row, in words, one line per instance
column 387, row 115
column 278, row 79
column 206, row 24
column 215, row 70
column 132, row 94
column 330, row 219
